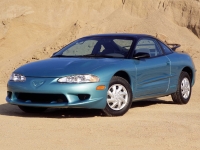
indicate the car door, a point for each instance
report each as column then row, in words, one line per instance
column 153, row 74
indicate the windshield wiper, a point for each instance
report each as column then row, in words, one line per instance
column 89, row 55
column 97, row 55
column 105, row 56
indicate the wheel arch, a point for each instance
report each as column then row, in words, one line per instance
column 123, row 74
column 189, row 71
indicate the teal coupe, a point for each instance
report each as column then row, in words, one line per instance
column 106, row 71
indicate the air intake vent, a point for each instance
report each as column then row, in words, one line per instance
column 42, row 98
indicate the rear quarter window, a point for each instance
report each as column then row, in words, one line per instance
column 166, row 49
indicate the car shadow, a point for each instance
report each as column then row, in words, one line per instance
column 59, row 113
column 13, row 110
column 149, row 102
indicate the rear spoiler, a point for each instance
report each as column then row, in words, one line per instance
column 174, row 46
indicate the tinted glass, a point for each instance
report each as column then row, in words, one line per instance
column 148, row 46
column 98, row 46
column 165, row 48
column 81, row 48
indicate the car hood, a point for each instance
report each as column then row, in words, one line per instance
column 58, row 67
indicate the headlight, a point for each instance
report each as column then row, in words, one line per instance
column 17, row 77
column 79, row 79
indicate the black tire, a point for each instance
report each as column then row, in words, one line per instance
column 28, row 109
column 179, row 97
column 119, row 103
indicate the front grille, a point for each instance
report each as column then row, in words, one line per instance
column 41, row 98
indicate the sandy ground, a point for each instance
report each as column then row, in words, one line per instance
column 153, row 124
column 149, row 124
column 32, row 30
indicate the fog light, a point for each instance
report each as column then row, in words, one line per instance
column 101, row 87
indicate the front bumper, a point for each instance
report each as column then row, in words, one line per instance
column 96, row 98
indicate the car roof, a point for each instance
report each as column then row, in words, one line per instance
column 137, row 36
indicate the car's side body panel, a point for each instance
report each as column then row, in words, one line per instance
column 152, row 76
column 178, row 62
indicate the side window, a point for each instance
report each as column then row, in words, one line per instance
column 123, row 43
column 166, row 49
column 148, row 46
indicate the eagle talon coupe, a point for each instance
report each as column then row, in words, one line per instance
column 107, row 71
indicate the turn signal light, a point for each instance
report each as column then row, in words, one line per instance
column 101, row 87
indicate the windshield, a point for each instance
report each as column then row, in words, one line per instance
column 97, row 47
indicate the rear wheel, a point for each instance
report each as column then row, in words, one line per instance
column 119, row 97
column 28, row 109
column 183, row 93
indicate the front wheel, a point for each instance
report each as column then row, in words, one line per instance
column 183, row 93
column 119, row 97
column 28, row 109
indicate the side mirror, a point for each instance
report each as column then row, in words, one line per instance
column 141, row 55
